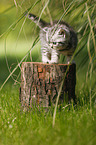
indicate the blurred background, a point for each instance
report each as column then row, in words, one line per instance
column 17, row 36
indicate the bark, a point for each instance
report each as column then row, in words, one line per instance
column 40, row 83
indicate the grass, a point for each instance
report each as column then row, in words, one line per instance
column 73, row 125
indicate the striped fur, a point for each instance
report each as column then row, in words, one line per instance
column 56, row 39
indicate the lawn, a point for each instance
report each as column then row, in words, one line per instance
column 74, row 125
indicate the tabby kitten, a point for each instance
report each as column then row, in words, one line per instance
column 56, row 39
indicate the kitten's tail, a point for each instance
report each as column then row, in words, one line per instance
column 36, row 20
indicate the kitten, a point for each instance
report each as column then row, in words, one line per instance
column 55, row 39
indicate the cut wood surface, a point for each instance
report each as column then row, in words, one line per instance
column 40, row 83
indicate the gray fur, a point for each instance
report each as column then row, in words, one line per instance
column 55, row 39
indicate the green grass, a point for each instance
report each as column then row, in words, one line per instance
column 74, row 125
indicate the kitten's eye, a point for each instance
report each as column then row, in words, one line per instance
column 54, row 43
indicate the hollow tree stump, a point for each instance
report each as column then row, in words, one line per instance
column 40, row 83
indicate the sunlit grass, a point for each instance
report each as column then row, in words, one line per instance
column 73, row 126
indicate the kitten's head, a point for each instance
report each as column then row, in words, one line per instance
column 58, row 37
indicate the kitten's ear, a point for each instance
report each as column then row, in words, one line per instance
column 62, row 32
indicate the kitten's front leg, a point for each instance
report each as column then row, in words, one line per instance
column 49, row 56
column 54, row 56
column 45, row 55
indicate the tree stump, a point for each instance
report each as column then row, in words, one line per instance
column 40, row 83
